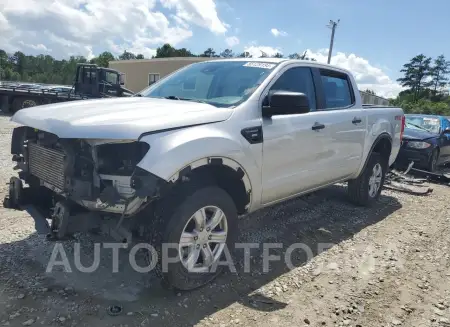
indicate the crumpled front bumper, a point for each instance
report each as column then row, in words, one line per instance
column 420, row 157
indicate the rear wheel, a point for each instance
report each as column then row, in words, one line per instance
column 22, row 103
column 366, row 189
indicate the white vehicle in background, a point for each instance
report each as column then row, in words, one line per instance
column 188, row 155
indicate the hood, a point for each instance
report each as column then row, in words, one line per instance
column 118, row 118
column 417, row 134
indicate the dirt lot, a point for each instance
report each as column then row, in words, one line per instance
column 385, row 266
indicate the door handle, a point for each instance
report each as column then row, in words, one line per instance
column 317, row 126
column 356, row 120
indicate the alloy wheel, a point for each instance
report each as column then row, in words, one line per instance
column 375, row 180
column 203, row 239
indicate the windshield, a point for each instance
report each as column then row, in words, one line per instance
column 221, row 83
column 429, row 124
column 412, row 126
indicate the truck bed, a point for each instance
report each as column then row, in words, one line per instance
column 13, row 90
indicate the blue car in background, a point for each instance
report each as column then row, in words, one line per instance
column 426, row 141
column 432, row 123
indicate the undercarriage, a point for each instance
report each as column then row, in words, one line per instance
column 81, row 184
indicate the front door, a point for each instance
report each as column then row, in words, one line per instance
column 298, row 148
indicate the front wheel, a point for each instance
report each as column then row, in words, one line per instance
column 366, row 189
column 199, row 229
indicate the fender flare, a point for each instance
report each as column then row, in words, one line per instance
column 380, row 137
column 216, row 161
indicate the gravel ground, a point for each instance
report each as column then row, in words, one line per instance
column 385, row 266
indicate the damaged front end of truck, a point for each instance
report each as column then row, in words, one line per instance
column 81, row 184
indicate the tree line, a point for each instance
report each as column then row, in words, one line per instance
column 46, row 69
column 427, row 86
column 426, row 80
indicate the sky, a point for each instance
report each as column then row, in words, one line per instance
column 373, row 39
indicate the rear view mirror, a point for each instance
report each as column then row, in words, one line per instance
column 286, row 103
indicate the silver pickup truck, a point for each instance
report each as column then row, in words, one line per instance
column 181, row 160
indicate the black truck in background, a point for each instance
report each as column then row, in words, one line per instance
column 91, row 82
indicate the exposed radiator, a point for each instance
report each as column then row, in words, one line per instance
column 47, row 165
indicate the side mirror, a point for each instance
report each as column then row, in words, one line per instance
column 122, row 79
column 446, row 131
column 286, row 103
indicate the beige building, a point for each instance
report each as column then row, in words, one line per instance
column 141, row 73
column 368, row 98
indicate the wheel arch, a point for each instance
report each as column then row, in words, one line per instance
column 382, row 145
column 224, row 172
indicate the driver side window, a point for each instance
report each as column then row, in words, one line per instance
column 111, row 78
column 297, row 79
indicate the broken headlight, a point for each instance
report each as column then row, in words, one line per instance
column 120, row 158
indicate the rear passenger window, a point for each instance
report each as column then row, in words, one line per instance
column 337, row 90
column 298, row 79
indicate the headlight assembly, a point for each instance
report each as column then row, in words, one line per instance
column 418, row 145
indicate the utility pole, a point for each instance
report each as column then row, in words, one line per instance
column 333, row 26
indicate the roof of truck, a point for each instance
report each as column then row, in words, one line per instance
column 287, row 60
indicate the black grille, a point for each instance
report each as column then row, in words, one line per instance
column 47, row 165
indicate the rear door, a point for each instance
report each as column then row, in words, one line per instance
column 347, row 121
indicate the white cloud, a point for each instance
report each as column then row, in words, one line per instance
column 232, row 41
column 87, row 27
column 256, row 51
column 367, row 76
column 38, row 47
column 200, row 12
column 4, row 26
column 276, row 32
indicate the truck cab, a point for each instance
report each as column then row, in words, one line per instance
column 98, row 81
column 90, row 82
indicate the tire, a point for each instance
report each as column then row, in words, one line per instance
column 432, row 164
column 21, row 103
column 361, row 191
column 176, row 214
column 15, row 193
column 4, row 104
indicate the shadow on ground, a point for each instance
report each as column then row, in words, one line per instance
column 324, row 217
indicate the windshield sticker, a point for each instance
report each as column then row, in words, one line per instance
column 260, row 65
column 431, row 121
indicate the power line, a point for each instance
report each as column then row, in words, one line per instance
column 333, row 26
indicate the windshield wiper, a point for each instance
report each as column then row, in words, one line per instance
column 193, row 100
column 172, row 97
